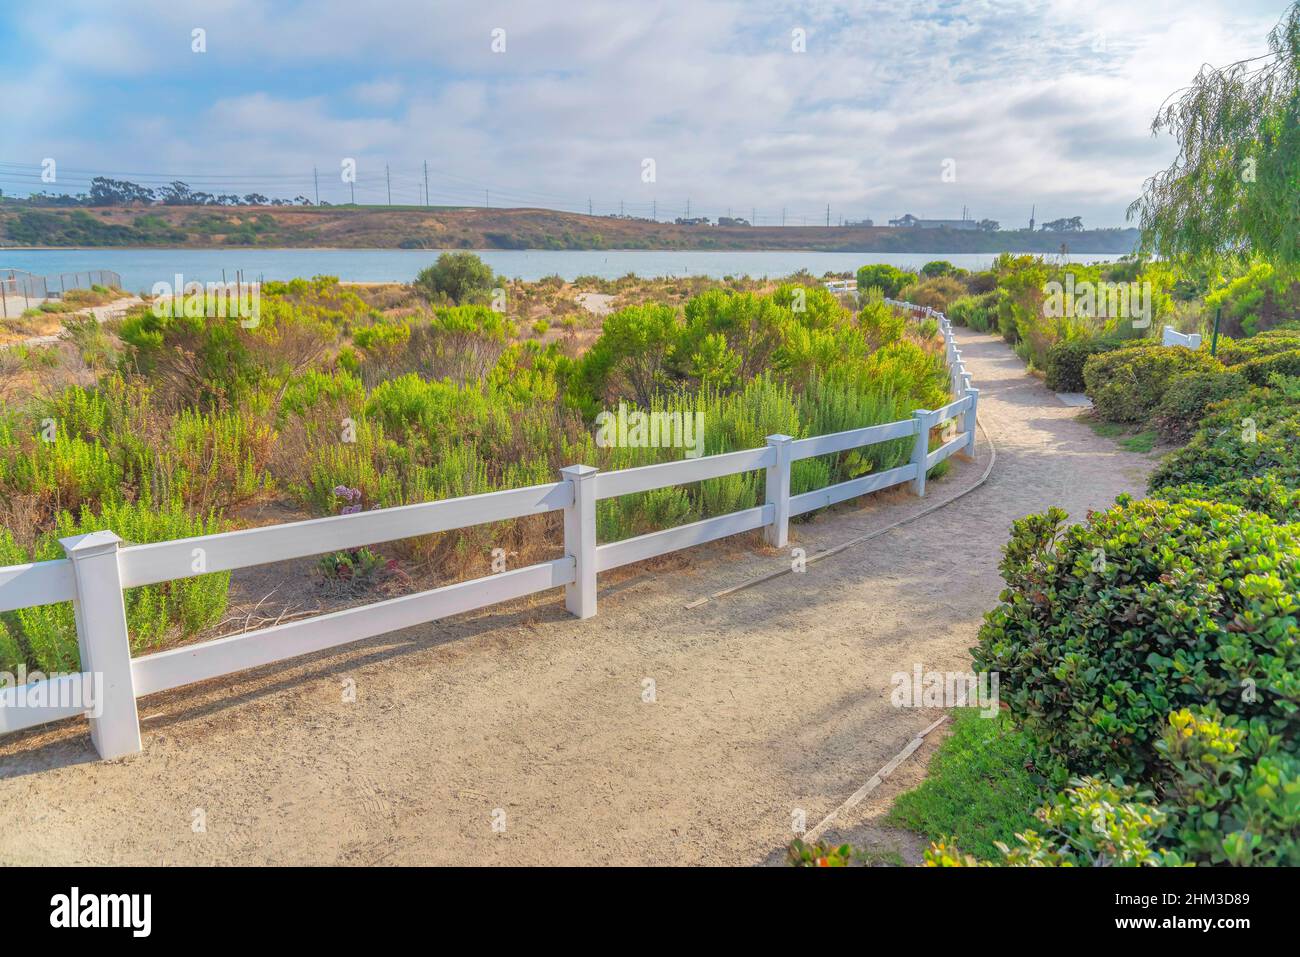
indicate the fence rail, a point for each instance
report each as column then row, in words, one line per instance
column 1172, row 337
column 23, row 287
column 99, row 565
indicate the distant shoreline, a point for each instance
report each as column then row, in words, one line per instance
column 48, row 228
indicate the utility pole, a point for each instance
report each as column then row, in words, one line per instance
column 352, row 187
column 589, row 209
column 654, row 210
column 620, row 209
column 389, row 180
column 782, row 215
column 487, row 199
column 316, row 178
column 828, row 214
column 688, row 207
column 426, row 182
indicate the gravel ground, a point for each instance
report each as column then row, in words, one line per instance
column 520, row 735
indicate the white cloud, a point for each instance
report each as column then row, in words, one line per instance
column 1029, row 100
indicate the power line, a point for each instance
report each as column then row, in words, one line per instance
column 413, row 187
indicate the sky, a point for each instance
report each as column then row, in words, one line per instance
column 751, row 108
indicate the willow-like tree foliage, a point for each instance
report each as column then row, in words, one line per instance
column 1233, row 193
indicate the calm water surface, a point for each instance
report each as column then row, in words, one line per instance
column 141, row 268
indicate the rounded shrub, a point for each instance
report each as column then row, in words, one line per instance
column 1188, row 397
column 1106, row 627
column 890, row 280
column 937, row 292
column 1065, row 361
column 1126, row 385
column 1252, row 435
column 979, row 312
column 1259, row 494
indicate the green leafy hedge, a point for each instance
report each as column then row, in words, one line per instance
column 1106, row 627
column 1253, row 435
column 1126, row 385
column 1189, row 396
column 1065, row 361
column 1159, row 644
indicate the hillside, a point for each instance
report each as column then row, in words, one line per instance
column 23, row 225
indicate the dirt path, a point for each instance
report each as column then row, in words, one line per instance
column 770, row 701
column 101, row 314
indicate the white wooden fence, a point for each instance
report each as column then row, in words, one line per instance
column 99, row 565
column 1172, row 337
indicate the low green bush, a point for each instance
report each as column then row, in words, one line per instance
column 890, row 280
column 1065, row 360
column 1151, row 606
column 978, row 312
column 458, row 277
column 1093, row 823
column 1263, row 368
column 1252, row 435
column 1258, row 494
column 937, row 292
column 1159, row 644
column 1260, row 299
column 1188, row 397
column 45, row 637
column 1232, row 352
column 1126, row 385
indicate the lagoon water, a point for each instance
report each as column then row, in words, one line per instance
column 141, row 268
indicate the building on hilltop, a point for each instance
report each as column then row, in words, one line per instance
column 911, row 222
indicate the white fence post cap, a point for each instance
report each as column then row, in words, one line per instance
column 91, row 543
column 578, row 471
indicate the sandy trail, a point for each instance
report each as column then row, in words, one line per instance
column 767, row 702
column 101, row 314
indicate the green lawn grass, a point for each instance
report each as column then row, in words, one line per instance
column 978, row 789
column 1140, row 442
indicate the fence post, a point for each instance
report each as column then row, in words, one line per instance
column 924, row 422
column 968, row 420
column 105, row 645
column 778, row 491
column 580, row 540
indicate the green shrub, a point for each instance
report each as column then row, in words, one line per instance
column 1232, row 352
column 1258, row 494
column 459, row 277
column 1106, row 627
column 940, row 267
column 1252, row 435
column 1065, row 361
column 1258, row 300
column 1188, row 397
column 1263, row 368
column 937, row 292
column 1093, row 823
column 631, row 356
column 979, row 312
column 888, row 279
column 46, row 636
column 1126, row 385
